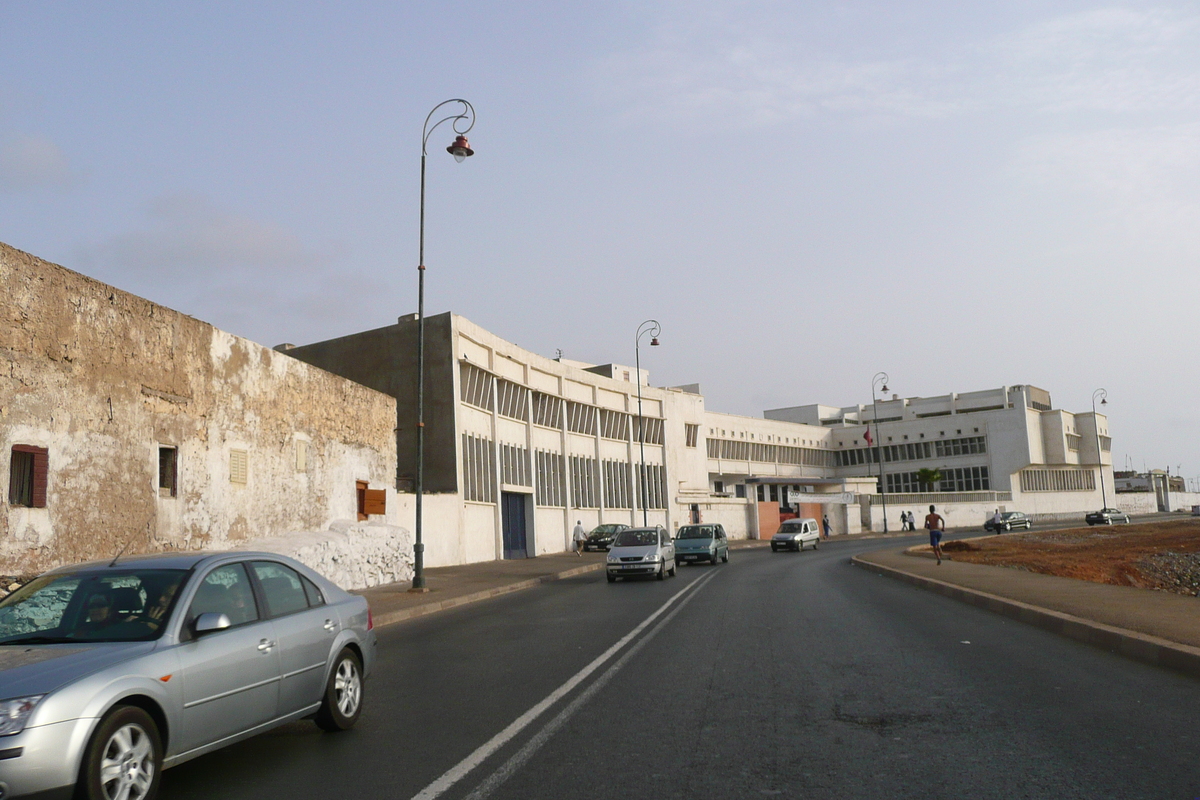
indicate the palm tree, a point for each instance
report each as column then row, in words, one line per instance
column 928, row 477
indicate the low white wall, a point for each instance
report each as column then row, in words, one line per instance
column 735, row 514
column 354, row 555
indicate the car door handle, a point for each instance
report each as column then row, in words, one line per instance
column 265, row 646
column 329, row 626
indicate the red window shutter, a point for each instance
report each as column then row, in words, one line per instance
column 375, row 501
column 41, row 472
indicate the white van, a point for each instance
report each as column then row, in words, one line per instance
column 796, row 534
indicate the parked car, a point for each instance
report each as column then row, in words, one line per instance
column 1196, row 511
column 641, row 551
column 695, row 543
column 1107, row 516
column 796, row 534
column 602, row 536
column 111, row 672
column 1008, row 521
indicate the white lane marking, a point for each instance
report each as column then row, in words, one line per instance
column 460, row 770
column 505, row 771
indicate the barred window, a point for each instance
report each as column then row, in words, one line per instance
column 616, row 485
column 29, row 469
column 964, row 479
column 1073, row 441
column 547, row 410
column 614, row 425
column 552, row 479
column 1106, row 443
column 512, row 399
column 478, row 472
column 652, row 430
column 514, row 465
column 475, row 386
column 585, row 488
column 581, row 418
column 968, row 445
column 656, row 486
column 1058, row 480
column 690, row 434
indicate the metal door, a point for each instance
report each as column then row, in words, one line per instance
column 512, row 512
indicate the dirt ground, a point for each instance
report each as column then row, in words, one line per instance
column 1156, row 555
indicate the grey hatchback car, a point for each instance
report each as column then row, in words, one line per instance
column 111, row 672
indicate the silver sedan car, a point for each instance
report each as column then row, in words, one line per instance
column 112, row 671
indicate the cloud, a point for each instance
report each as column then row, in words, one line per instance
column 1114, row 60
column 33, row 162
column 188, row 238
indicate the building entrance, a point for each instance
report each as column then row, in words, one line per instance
column 512, row 512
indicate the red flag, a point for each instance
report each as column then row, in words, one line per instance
column 867, row 436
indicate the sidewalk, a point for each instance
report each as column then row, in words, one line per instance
column 450, row 587
column 1156, row 627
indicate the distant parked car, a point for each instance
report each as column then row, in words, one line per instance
column 602, row 536
column 111, row 672
column 1008, row 521
column 1196, row 511
column 641, row 551
column 796, row 534
column 1107, row 516
column 694, row 543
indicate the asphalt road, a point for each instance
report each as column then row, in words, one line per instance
column 776, row 675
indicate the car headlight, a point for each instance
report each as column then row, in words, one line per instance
column 14, row 713
column 651, row 557
column 613, row 559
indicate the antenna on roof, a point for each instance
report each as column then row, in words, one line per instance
column 128, row 542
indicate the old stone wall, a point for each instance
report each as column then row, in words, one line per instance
column 104, row 380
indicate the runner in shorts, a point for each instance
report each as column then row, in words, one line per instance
column 936, row 526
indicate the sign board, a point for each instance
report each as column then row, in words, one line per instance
column 794, row 497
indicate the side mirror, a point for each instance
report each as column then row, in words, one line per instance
column 210, row 622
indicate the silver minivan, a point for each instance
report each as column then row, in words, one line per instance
column 796, row 534
column 641, row 551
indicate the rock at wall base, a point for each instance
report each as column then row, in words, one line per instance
column 354, row 555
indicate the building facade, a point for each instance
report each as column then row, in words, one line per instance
column 125, row 425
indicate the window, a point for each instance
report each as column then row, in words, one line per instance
column 512, row 400
column 581, row 418
column 370, row 501
column 514, row 465
column 301, row 455
column 616, row 485
column 475, row 386
column 168, row 471
column 27, row 476
column 226, row 590
column 238, row 467
column 551, row 475
column 477, row 467
column 281, row 587
column 718, row 486
column 615, row 425
column 315, row 598
column 585, row 481
column 762, row 492
column 547, row 410
column 690, row 434
column 1058, row 480
column 739, row 490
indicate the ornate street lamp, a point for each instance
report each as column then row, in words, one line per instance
column 880, row 378
column 651, row 327
column 462, row 122
column 1103, row 395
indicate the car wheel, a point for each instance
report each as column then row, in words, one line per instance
column 774, row 549
column 725, row 557
column 343, row 694
column 1008, row 527
column 124, row 757
column 611, row 578
column 674, row 568
column 816, row 543
column 662, row 572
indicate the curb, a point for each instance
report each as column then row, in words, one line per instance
column 1138, row 646
column 392, row 617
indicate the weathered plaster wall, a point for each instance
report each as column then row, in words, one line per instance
column 104, row 378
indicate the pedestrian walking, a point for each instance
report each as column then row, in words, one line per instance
column 579, row 537
column 903, row 520
column 997, row 521
column 936, row 526
column 912, row 521
column 825, row 524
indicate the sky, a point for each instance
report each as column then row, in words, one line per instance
column 961, row 195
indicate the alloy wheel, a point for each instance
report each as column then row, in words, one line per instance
column 127, row 764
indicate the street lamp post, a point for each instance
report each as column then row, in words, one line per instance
column 1103, row 395
column 880, row 377
column 651, row 327
column 462, row 122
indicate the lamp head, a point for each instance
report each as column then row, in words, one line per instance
column 1104, row 401
column 460, row 149
column 885, row 389
column 654, row 342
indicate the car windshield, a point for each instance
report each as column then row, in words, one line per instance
column 110, row 606
column 636, row 538
column 791, row 527
column 697, row 532
column 605, row 530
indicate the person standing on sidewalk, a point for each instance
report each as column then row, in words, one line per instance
column 936, row 526
column 579, row 537
column 825, row 524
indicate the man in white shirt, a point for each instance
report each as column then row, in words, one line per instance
column 579, row 537
column 997, row 521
